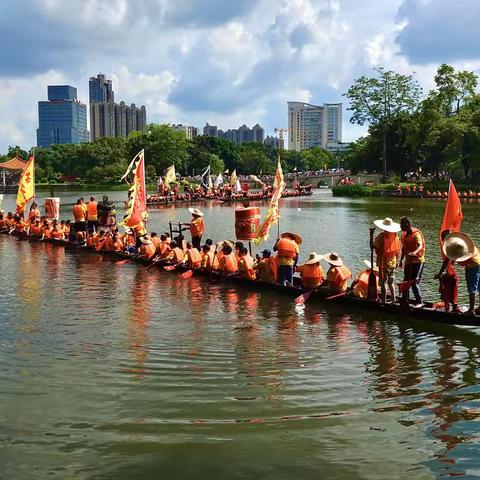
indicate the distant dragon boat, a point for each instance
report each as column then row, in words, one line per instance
column 155, row 200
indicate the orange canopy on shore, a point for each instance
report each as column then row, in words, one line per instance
column 15, row 163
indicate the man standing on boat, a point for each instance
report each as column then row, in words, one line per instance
column 387, row 247
column 287, row 252
column 413, row 251
column 197, row 227
column 92, row 215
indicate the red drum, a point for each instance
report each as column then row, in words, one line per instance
column 247, row 221
column 52, row 208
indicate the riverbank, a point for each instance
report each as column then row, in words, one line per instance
column 391, row 189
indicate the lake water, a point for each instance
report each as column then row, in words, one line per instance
column 114, row 372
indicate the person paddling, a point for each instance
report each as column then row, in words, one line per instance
column 267, row 267
column 338, row 274
column 413, row 251
column 311, row 271
column 460, row 248
column 387, row 246
column 287, row 248
column 360, row 285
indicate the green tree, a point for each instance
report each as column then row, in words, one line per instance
column 379, row 100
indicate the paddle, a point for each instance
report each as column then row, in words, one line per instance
column 187, row 274
column 372, row 291
column 122, row 262
column 337, row 295
column 303, row 297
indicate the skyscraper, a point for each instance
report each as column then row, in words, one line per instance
column 109, row 119
column 61, row 119
column 313, row 125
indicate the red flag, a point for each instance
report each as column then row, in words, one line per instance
column 452, row 218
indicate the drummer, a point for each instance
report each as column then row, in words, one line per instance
column 197, row 227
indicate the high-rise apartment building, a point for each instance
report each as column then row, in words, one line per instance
column 189, row 130
column 313, row 125
column 61, row 119
column 109, row 119
column 242, row 134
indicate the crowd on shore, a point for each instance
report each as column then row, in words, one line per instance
column 419, row 191
column 99, row 231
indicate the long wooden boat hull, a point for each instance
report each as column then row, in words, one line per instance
column 427, row 313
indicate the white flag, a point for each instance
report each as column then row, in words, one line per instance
column 218, row 180
column 238, row 187
column 206, row 177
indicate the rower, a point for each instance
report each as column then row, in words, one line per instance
column 208, row 258
column 267, row 267
column 57, row 232
column 245, row 264
column 387, row 247
column 147, row 248
column 209, row 243
column 459, row 247
column 311, row 271
column 164, row 246
column 156, row 242
column 92, row 215
column 197, row 227
column 238, row 247
column 228, row 263
column 338, row 274
column 413, row 250
column 360, row 285
column 176, row 255
column 34, row 213
column 193, row 256
column 46, row 230
column 287, row 253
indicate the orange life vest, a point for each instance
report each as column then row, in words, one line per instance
column 287, row 248
column 92, row 211
column 197, row 227
column 410, row 243
column 149, row 250
column 312, row 275
column 228, row 263
column 118, row 245
column 46, row 232
column 338, row 277
column 78, row 213
column 245, row 265
column 178, row 255
column 57, row 234
column 194, row 258
column 267, row 269
column 157, row 243
column 209, row 259
column 361, row 287
column 391, row 245
column 108, row 245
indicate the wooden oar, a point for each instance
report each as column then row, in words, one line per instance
column 372, row 291
column 303, row 297
column 122, row 262
column 337, row 295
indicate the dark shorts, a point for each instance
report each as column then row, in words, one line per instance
column 472, row 277
column 80, row 226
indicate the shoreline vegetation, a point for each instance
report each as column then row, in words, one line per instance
column 388, row 189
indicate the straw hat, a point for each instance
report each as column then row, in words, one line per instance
column 369, row 265
column 297, row 238
column 145, row 240
column 388, row 225
column 459, row 247
column 196, row 212
column 313, row 258
column 333, row 259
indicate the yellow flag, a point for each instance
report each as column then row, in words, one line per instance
column 233, row 178
column 273, row 211
column 169, row 176
column 26, row 187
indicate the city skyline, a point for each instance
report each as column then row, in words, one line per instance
column 228, row 62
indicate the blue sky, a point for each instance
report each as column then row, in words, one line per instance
column 227, row 62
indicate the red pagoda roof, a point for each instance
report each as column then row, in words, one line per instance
column 15, row 163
